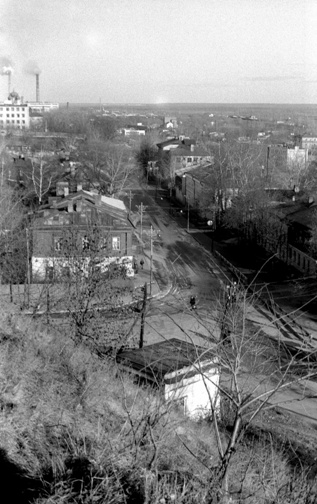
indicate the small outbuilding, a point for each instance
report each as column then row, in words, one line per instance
column 188, row 374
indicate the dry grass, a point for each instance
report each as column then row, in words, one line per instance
column 74, row 429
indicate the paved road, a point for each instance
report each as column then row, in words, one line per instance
column 195, row 270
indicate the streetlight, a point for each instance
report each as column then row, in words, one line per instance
column 187, row 215
column 210, row 223
column 187, row 199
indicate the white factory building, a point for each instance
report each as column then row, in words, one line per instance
column 14, row 113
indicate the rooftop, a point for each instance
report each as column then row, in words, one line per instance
column 155, row 361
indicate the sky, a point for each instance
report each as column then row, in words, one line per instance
column 160, row 51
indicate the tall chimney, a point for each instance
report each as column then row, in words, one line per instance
column 9, row 82
column 37, row 77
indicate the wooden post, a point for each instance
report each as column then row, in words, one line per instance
column 28, row 266
column 141, row 342
column 47, row 304
column 151, row 261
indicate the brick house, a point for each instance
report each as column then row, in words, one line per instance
column 85, row 226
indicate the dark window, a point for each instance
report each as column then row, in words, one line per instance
column 85, row 243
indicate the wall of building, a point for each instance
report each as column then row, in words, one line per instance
column 14, row 115
column 194, row 390
column 44, row 240
column 49, row 268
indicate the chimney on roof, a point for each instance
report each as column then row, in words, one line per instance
column 37, row 80
column 192, row 147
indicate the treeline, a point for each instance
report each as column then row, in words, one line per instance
column 81, row 122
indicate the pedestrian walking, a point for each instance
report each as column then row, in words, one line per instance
column 192, row 303
column 142, row 263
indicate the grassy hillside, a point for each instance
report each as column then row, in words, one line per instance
column 74, row 429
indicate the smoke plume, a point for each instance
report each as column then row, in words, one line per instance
column 6, row 66
column 32, row 68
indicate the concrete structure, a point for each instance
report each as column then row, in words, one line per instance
column 136, row 130
column 78, row 229
column 42, row 107
column 297, row 157
column 14, row 113
column 188, row 374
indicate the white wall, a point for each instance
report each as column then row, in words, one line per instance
column 40, row 265
column 195, row 388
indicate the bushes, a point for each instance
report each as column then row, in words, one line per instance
column 74, row 429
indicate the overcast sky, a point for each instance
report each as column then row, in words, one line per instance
column 154, row 51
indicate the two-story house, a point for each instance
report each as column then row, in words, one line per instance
column 81, row 227
column 179, row 154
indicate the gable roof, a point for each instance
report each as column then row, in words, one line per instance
column 96, row 206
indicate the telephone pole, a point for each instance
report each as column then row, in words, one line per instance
column 151, row 261
column 141, row 341
column 141, row 208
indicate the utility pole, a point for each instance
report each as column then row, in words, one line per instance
column 187, row 215
column 141, row 341
column 141, row 209
column 28, row 265
column 151, row 262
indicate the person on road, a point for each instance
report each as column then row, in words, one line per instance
column 142, row 263
column 192, row 303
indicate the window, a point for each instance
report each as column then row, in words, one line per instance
column 18, row 121
column 8, row 115
column 12, row 115
column 58, row 244
column 115, row 243
column 85, row 243
column 23, row 108
column 12, row 109
column 189, row 160
column 18, row 115
column 13, row 121
column 7, row 109
column 23, row 122
column 23, row 115
column 8, row 121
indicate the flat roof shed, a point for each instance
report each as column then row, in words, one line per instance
column 188, row 373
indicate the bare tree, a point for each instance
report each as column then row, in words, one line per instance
column 254, row 372
column 90, row 289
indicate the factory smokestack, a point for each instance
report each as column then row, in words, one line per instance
column 37, row 80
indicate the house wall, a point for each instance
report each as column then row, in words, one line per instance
column 189, row 160
column 14, row 115
column 194, row 390
column 43, row 267
column 45, row 255
column 44, row 241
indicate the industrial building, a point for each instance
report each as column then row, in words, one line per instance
column 14, row 113
column 19, row 114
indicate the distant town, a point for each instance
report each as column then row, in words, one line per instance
column 158, row 269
